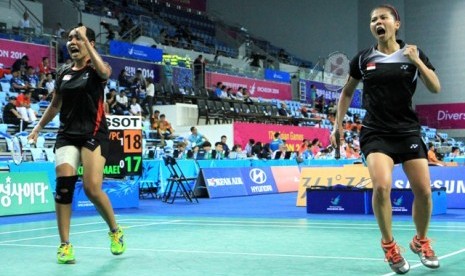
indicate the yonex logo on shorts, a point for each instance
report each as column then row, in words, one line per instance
column 404, row 67
column 413, row 146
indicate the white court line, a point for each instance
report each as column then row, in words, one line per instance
column 211, row 252
column 296, row 223
column 47, row 228
column 55, row 227
column 306, row 226
column 85, row 232
column 440, row 258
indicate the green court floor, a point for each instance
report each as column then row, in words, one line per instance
column 159, row 245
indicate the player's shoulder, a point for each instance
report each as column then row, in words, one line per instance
column 364, row 53
column 63, row 68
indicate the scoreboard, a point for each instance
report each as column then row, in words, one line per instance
column 124, row 156
column 125, row 151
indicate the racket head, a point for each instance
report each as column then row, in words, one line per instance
column 16, row 150
column 336, row 71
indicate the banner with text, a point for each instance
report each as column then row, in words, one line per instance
column 25, row 193
column 148, row 69
column 450, row 178
column 259, row 181
column 279, row 76
column 10, row 51
column 327, row 177
column 224, row 183
column 134, row 51
column 442, row 116
column 264, row 133
column 256, row 88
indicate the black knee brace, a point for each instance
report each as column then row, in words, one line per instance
column 65, row 189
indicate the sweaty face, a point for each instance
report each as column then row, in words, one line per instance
column 383, row 25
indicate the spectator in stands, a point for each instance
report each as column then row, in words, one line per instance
column 20, row 65
column 304, row 146
column 180, row 152
column 257, row 150
column 239, row 96
column 135, row 108
column 224, row 94
column 316, row 146
column 282, row 149
column 266, row 151
column 123, row 79
column 229, row 94
column 12, row 116
column 49, row 84
column 24, row 22
column 138, row 84
column 196, row 139
column 147, row 104
column 218, row 152
column 199, row 72
column 282, row 110
column 44, row 66
column 205, row 151
column 31, row 77
column 122, row 100
column 276, row 142
column 247, row 98
column 217, row 92
column 165, row 130
column 23, row 105
column 455, row 152
column 154, row 120
column 391, row 131
column 432, row 156
column 216, row 58
column 313, row 94
column 17, row 84
column 226, row 149
column 59, row 30
column 3, row 71
column 304, row 112
column 320, row 104
column 249, row 147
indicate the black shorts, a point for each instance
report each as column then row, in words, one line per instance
column 90, row 143
column 400, row 147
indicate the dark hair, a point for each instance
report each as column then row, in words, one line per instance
column 223, row 136
column 206, row 144
column 89, row 33
column 162, row 116
column 192, row 128
column 391, row 8
column 276, row 134
column 217, row 143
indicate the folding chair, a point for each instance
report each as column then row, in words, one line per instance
column 177, row 178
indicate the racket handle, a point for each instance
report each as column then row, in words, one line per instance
column 337, row 154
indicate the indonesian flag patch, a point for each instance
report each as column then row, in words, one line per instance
column 371, row 66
